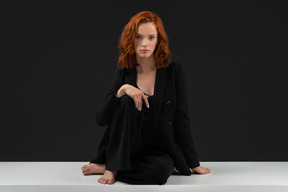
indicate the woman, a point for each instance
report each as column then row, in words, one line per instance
column 146, row 111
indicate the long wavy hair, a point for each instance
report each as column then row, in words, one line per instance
column 127, row 58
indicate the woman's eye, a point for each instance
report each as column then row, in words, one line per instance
column 138, row 37
column 151, row 38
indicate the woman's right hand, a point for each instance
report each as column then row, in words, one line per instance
column 137, row 95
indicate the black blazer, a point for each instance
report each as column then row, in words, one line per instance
column 170, row 109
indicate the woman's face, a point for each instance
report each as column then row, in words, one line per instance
column 146, row 40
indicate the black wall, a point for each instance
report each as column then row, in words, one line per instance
column 59, row 61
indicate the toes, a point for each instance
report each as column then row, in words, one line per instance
column 101, row 180
column 84, row 167
column 104, row 181
column 86, row 172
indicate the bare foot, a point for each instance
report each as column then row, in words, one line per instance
column 108, row 177
column 201, row 170
column 93, row 168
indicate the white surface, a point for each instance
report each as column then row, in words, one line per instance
column 67, row 176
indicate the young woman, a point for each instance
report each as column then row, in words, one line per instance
column 146, row 112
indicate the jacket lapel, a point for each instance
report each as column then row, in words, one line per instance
column 130, row 77
column 159, row 94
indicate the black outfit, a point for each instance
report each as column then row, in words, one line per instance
column 145, row 146
column 149, row 140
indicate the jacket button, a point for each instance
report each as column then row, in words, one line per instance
column 170, row 124
column 168, row 102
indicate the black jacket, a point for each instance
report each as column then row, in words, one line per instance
column 170, row 108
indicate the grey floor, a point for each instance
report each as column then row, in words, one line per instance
column 67, row 176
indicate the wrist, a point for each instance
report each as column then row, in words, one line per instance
column 121, row 91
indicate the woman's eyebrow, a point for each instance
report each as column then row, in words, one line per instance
column 149, row 34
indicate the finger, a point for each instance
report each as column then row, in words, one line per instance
column 145, row 98
column 137, row 102
column 140, row 101
column 135, row 98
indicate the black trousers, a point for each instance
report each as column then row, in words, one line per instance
column 121, row 149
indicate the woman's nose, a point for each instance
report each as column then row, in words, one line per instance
column 144, row 44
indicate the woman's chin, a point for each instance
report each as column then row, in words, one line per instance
column 144, row 55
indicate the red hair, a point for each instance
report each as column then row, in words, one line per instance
column 127, row 58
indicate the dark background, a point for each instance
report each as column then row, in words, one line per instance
column 59, row 61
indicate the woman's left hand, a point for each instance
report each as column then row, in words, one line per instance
column 201, row 170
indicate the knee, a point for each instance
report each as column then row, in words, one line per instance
column 164, row 170
column 127, row 112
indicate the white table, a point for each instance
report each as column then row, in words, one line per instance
column 67, row 176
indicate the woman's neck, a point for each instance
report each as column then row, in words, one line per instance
column 145, row 65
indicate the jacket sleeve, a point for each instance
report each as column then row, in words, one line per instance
column 105, row 111
column 183, row 133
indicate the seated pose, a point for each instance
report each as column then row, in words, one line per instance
column 147, row 135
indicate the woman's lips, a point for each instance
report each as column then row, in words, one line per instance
column 144, row 50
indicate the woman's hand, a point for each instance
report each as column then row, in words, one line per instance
column 137, row 95
column 201, row 170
